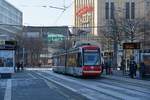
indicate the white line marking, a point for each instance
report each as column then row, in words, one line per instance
column 58, row 83
column 50, row 86
column 8, row 90
column 32, row 76
column 68, row 87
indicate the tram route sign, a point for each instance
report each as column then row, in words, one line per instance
column 131, row 45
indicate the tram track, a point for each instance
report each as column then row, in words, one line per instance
column 90, row 93
column 123, row 85
column 108, row 90
column 69, row 92
column 131, row 83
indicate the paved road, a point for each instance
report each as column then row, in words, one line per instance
column 46, row 85
column 29, row 86
column 104, row 88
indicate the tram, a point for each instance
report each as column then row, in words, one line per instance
column 84, row 60
column 7, row 58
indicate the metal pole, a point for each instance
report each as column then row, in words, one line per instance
column 23, row 52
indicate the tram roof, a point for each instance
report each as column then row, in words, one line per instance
column 74, row 50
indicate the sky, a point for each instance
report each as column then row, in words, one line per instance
column 36, row 15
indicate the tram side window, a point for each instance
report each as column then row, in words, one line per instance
column 55, row 61
column 62, row 60
column 79, row 60
column 72, row 60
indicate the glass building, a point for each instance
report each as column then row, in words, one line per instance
column 10, row 19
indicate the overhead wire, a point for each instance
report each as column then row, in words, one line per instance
column 61, row 14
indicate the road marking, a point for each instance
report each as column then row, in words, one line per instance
column 32, row 76
column 8, row 90
column 50, row 86
column 68, row 87
column 57, row 82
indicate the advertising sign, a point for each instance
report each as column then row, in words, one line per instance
column 131, row 45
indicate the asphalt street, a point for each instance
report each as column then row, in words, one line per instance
column 47, row 85
column 28, row 86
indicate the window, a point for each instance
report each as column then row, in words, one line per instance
column 112, row 10
column 79, row 60
column 127, row 10
column 107, row 10
column 132, row 10
column 91, row 58
column 72, row 60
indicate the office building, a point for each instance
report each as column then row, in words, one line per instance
column 10, row 19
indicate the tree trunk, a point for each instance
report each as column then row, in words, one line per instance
column 115, row 47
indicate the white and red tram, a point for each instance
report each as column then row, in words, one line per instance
column 81, row 61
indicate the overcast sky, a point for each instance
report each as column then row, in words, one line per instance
column 36, row 15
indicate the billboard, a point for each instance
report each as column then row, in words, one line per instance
column 131, row 45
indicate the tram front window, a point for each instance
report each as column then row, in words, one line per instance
column 91, row 58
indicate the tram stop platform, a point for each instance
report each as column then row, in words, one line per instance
column 118, row 74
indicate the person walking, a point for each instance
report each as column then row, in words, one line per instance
column 18, row 66
column 103, row 66
column 106, row 67
column 123, row 65
column 21, row 65
column 142, row 70
column 110, row 67
column 133, row 68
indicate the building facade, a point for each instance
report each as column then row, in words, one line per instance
column 92, row 15
column 84, row 11
column 96, row 16
column 41, row 42
column 10, row 19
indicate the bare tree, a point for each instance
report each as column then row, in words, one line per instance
column 33, row 47
column 119, row 30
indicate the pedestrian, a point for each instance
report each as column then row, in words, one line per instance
column 103, row 66
column 39, row 64
column 106, row 67
column 109, row 67
column 21, row 65
column 18, row 66
column 123, row 65
column 142, row 70
column 133, row 68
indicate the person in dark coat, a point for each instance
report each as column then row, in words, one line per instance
column 123, row 65
column 106, row 67
column 21, row 65
column 142, row 70
column 133, row 68
column 18, row 66
column 103, row 66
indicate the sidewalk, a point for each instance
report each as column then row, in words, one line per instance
column 119, row 74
